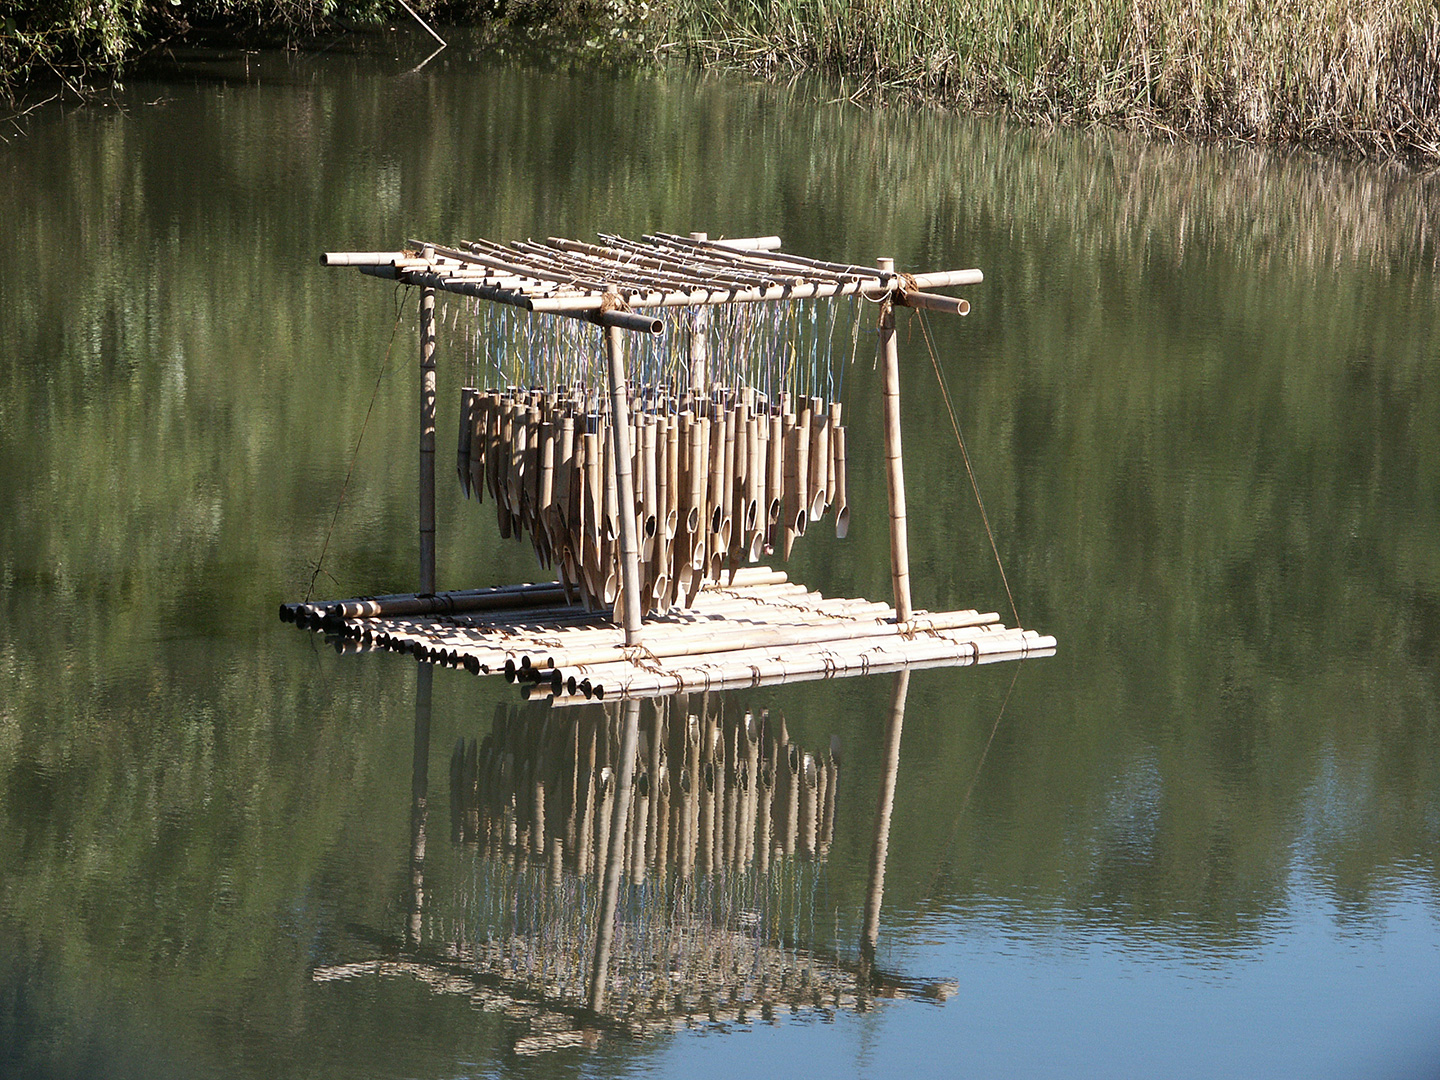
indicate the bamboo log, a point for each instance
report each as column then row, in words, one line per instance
column 948, row 305
column 461, row 600
column 624, row 484
column 894, row 459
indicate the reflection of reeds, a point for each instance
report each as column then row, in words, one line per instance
column 1362, row 76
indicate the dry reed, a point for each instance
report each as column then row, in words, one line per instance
column 1363, row 77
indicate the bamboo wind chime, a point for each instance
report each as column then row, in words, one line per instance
column 736, row 447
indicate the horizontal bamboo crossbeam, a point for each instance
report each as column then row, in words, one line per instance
column 567, row 277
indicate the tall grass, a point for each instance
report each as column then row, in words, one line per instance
column 1360, row 74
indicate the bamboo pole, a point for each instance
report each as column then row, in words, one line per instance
column 894, row 459
column 624, row 484
column 427, row 440
column 454, row 602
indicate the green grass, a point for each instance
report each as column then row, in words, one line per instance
column 1362, row 76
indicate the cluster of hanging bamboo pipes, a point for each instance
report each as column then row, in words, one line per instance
column 713, row 789
column 718, row 481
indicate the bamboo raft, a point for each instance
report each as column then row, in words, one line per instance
column 652, row 485
column 759, row 630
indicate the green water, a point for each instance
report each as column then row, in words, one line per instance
column 1197, row 389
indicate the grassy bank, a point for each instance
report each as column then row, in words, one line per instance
column 1361, row 75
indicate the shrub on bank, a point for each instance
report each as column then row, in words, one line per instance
column 85, row 43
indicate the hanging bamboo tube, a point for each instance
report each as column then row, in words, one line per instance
column 468, row 395
column 755, row 429
column 503, row 455
column 842, row 497
column 775, row 479
column 804, row 419
column 546, row 494
column 819, row 459
column 479, row 433
column 894, row 461
column 831, row 476
column 794, row 512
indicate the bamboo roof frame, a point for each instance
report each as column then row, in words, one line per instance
column 610, row 281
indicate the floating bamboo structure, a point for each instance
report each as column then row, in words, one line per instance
column 760, row 630
column 653, row 486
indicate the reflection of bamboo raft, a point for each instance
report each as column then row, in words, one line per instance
column 711, row 791
column 739, row 815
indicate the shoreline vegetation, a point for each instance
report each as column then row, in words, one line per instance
column 1360, row 78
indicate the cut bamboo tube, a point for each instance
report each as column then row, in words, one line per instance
column 842, row 496
column 649, row 482
column 804, row 419
column 547, row 484
column 819, row 460
column 468, row 395
column 479, row 435
column 794, row 512
column 949, row 305
column 831, row 477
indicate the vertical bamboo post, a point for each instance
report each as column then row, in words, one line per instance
column 894, row 461
column 624, row 484
column 427, row 435
column 699, row 346
column 889, row 769
column 615, row 856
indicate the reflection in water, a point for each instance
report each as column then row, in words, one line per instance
column 634, row 868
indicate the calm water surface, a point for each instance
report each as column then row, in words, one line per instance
column 1198, row 387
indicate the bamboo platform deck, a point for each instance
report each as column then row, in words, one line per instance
column 758, row 629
